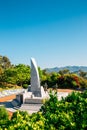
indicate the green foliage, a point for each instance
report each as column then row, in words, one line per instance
column 25, row 86
column 20, row 75
column 64, row 80
column 77, row 102
column 4, row 62
column 23, row 74
column 83, row 83
column 64, row 71
column 55, row 114
column 4, row 118
column 50, row 104
column 71, row 81
column 83, row 74
column 10, row 76
column 20, row 120
column 17, row 75
column 3, row 113
column 24, row 121
column 70, row 113
column 51, row 79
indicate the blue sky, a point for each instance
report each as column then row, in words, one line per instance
column 54, row 32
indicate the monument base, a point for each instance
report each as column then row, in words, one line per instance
column 39, row 92
column 34, row 97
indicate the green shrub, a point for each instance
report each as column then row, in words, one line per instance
column 25, row 86
column 70, row 113
column 4, row 117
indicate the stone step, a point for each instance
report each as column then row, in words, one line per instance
column 33, row 101
column 31, row 107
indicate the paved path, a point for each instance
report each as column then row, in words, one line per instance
column 30, row 108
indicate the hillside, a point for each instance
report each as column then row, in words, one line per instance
column 70, row 68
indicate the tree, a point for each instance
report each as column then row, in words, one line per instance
column 5, row 62
column 40, row 73
column 82, row 74
column 23, row 74
column 45, row 76
column 65, row 71
column 17, row 75
column 1, row 72
column 10, row 76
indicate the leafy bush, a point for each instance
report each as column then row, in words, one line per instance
column 25, row 86
column 70, row 113
column 4, row 118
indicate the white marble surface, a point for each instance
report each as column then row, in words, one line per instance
column 35, row 81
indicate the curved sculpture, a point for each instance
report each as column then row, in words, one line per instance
column 35, row 81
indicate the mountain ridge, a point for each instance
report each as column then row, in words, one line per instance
column 70, row 68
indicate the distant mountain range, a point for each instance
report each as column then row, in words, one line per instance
column 70, row 68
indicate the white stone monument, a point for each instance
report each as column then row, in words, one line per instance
column 35, row 80
column 35, row 92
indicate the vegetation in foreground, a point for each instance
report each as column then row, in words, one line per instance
column 68, row 114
